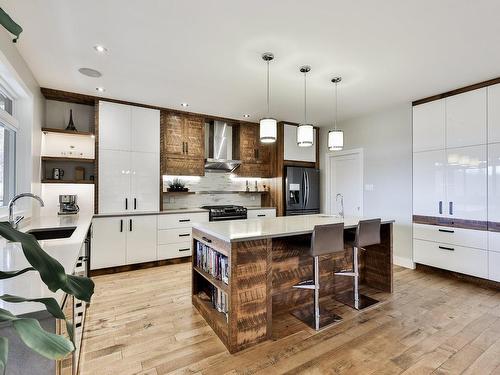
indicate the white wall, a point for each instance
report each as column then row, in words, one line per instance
column 386, row 138
column 29, row 110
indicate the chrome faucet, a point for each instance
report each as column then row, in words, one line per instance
column 15, row 221
column 341, row 212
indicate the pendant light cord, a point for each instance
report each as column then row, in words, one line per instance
column 268, row 89
column 336, row 105
column 305, row 99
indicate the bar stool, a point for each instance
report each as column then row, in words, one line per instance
column 367, row 233
column 326, row 239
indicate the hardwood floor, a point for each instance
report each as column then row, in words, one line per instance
column 142, row 322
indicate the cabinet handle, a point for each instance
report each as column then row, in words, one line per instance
column 184, row 220
column 206, row 239
column 261, row 215
column 79, row 304
column 447, row 248
column 187, row 249
column 130, row 225
column 78, row 325
column 121, row 225
column 135, row 203
column 80, row 313
column 440, row 207
column 451, row 208
column 184, row 235
column 126, row 203
column 446, row 231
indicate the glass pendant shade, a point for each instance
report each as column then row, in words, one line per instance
column 305, row 135
column 335, row 140
column 268, row 130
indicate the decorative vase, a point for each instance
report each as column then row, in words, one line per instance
column 71, row 124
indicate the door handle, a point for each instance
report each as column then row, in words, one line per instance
column 126, row 203
column 187, row 148
column 184, row 235
column 446, row 231
column 261, row 215
column 184, row 220
column 206, row 239
column 440, row 207
column 183, row 147
column 121, row 225
column 451, row 208
column 130, row 225
column 447, row 248
column 135, row 203
column 187, row 249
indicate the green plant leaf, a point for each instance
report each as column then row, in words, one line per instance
column 9, row 274
column 50, row 304
column 47, row 344
column 51, row 271
column 4, row 352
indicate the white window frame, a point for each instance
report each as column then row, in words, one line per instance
column 10, row 122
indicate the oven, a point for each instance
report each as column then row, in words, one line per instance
column 226, row 212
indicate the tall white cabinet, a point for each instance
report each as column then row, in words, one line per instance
column 456, row 171
column 129, row 158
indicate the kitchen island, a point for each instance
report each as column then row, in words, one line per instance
column 244, row 272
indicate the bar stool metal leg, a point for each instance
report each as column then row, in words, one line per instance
column 316, row 293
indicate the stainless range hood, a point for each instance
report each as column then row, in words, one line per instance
column 220, row 148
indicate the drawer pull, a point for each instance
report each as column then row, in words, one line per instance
column 78, row 325
column 446, row 248
column 79, row 304
column 80, row 314
column 206, row 239
column 184, row 220
column 187, row 249
column 184, row 235
column 261, row 215
column 446, row 230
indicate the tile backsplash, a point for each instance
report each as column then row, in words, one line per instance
column 211, row 188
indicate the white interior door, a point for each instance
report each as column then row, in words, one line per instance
column 346, row 178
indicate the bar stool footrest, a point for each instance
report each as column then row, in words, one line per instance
column 347, row 298
column 308, row 284
column 346, row 273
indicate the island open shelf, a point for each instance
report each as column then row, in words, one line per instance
column 266, row 257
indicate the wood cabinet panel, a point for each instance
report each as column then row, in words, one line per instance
column 194, row 136
column 183, row 167
column 255, row 156
column 172, row 134
column 254, row 170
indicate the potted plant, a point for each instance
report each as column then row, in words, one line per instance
column 177, row 185
column 52, row 273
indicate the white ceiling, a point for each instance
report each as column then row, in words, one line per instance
column 207, row 52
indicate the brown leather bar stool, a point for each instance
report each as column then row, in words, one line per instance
column 367, row 233
column 326, row 239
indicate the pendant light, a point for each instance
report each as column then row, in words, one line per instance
column 305, row 131
column 335, row 136
column 268, row 125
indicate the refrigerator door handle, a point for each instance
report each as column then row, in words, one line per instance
column 303, row 188
column 306, row 175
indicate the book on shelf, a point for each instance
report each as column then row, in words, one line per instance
column 218, row 299
column 212, row 262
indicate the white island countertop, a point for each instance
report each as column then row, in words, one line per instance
column 283, row 226
column 64, row 250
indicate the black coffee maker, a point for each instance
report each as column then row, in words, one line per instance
column 67, row 205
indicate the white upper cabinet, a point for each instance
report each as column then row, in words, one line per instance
column 114, row 126
column 494, row 114
column 494, row 183
column 429, row 179
column 466, row 183
column 145, row 130
column 466, row 119
column 292, row 151
column 114, row 181
column 144, row 184
column 429, row 122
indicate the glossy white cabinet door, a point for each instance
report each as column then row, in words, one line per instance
column 145, row 130
column 108, row 242
column 429, row 173
column 114, row 126
column 466, row 183
column 494, row 113
column 141, row 239
column 144, row 181
column 429, row 122
column 114, row 181
column 466, row 119
column 292, row 151
column 494, row 182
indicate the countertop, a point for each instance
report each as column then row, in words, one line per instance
column 169, row 211
column 65, row 250
column 283, row 226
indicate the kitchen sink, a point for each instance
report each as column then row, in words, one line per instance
column 52, row 233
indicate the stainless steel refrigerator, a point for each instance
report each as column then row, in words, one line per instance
column 301, row 191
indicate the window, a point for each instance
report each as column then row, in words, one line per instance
column 7, row 164
column 5, row 103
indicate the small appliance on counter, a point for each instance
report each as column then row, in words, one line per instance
column 67, row 205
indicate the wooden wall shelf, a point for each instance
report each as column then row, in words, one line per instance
column 62, row 158
column 64, row 131
column 46, row 181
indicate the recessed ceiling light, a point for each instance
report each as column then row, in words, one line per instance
column 246, row 115
column 100, row 89
column 184, row 104
column 100, row 49
column 90, row 72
